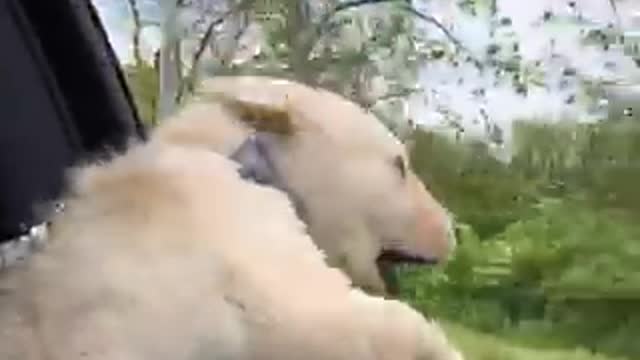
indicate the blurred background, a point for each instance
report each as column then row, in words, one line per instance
column 522, row 117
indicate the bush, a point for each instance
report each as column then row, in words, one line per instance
column 568, row 277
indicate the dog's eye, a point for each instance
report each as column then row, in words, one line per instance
column 398, row 163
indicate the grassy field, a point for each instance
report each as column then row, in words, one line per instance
column 478, row 346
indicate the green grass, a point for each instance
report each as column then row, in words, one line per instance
column 478, row 346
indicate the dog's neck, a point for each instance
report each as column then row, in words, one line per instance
column 257, row 165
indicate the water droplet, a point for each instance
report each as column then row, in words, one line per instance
column 505, row 21
column 479, row 92
column 437, row 53
column 521, row 89
column 493, row 49
column 602, row 102
column 571, row 99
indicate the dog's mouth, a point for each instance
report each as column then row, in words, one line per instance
column 400, row 257
column 390, row 259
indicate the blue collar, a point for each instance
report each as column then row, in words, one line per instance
column 257, row 165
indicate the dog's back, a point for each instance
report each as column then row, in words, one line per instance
column 166, row 253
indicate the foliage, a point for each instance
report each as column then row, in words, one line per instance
column 560, row 267
column 599, row 159
column 459, row 174
column 478, row 346
column 143, row 82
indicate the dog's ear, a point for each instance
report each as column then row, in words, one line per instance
column 262, row 117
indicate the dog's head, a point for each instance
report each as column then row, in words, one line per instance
column 347, row 175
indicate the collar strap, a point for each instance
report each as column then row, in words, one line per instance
column 257, row 165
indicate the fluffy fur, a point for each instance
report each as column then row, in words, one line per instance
column 339, row 159
column 399, row 332
column 165, row 253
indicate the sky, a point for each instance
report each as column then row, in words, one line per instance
column 446, row 86
column 443, row 85
column 116, row 16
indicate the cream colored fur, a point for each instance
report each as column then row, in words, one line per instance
column 165, row 253
column 339, row 160
column 400, row 332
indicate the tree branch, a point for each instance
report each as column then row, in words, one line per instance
column 402, row 93
column 357, row 3
column 318, row 29
column 430, row 19
column 177, row 56
column 188, row 82
column 206, row 38
column 614, row 7
column 137, row 31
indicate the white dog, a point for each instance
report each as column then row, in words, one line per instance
column 165, row 253
column 347, row 175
